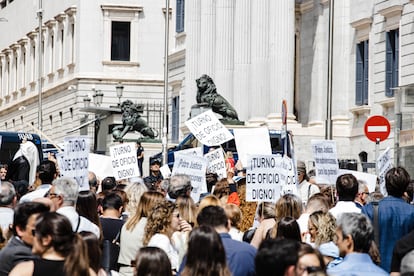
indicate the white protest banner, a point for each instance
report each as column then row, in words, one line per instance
column 124, row 161
column 191, row 151
column 289, row 185
column 252, row 141
column 74, row 161
column 195, row 167
column 264, row 177
column 207, row 128
column 326, row 162
column 216, row 163
column 383, row 166
column 370, row 179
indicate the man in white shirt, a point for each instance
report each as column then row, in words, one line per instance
column 346, row 189
column 64, row 194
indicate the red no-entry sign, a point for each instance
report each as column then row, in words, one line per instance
column 377, row 128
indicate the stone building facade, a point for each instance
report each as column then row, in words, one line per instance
column 258, row 53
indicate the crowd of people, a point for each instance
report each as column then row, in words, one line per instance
column 152, row 226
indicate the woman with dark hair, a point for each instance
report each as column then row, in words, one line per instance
column 94, row 252
column 152, row 261
column 288, row 228
column 163, row 221
column 87, row 206
column 206, row 255
column 61, row 251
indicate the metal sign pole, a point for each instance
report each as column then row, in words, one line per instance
column 376, row 156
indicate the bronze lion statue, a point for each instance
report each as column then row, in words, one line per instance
column 207, row 95
column 131, row 120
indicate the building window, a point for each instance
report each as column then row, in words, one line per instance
column 175, row 118
column 361, row 78
column 391, row 62
column 179, row 22
column 120, row 41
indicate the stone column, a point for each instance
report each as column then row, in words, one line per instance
column 192, row 30
column 281, row 58
column 224, row 48
column 207, row 33
column 317, row 106
column 242, row 57
column 258, row 100
column 2, row 76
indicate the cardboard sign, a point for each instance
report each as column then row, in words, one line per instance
column 216, row 163
column 326, row 161
column 195, row 167
column 207, row 128
column 74, row 161
column 124, row 161
column 252, row 141
column 383, row 166
column 264, row 177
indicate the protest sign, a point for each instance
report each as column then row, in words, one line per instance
column 195, row 167
column 264, row 177
column 326, row 162
column 370, row 179
column 124, row 161
column 216, row 163
column 289, row 186
column 252, row 141
column 74, row 161
column 383, row 166
column 207, row 128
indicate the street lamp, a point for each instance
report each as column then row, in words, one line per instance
column 98, row 98
column 119, row 91
column 86, row 102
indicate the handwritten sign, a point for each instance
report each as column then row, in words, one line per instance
column 264, row 177
column 124, row 161
column 195, row 167
column 326, row 161
column 74, row 161
column 383, row 165
column 207, row 128
column 216, row 163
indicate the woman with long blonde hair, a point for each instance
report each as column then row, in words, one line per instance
column 132, row 232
